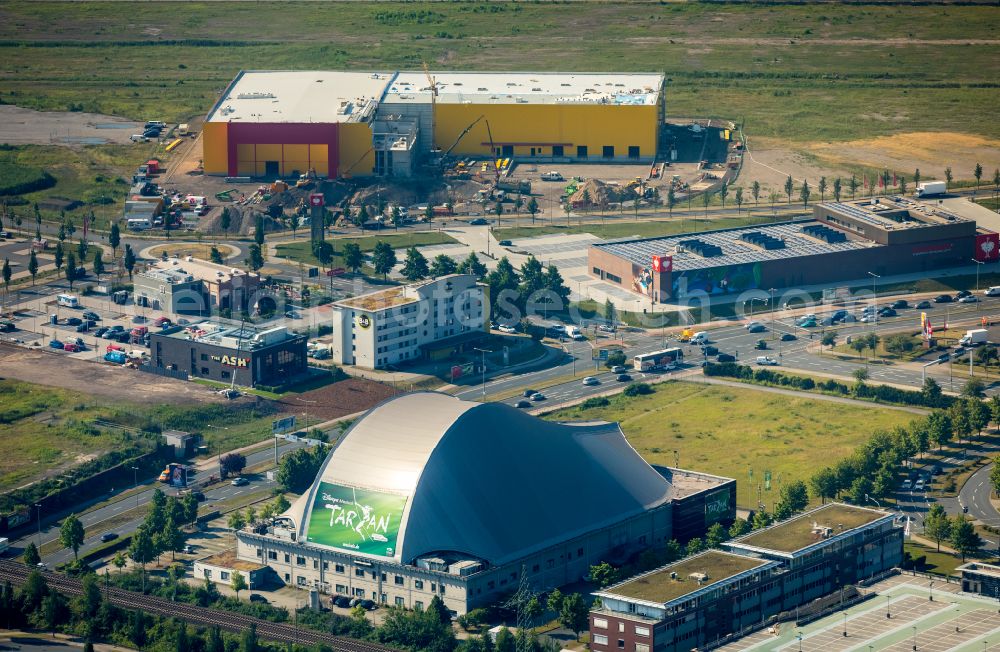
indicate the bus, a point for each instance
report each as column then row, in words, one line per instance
column 658, row 359
column 68, row 300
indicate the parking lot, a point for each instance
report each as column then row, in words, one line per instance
column 952, row 620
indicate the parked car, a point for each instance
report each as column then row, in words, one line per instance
column 839, row 315
column 709, row 350
column 82, row 328
column 787, row 337
column 293, row 314
column 590, row 380
column 478, row 222
column 757, row 328
column 923, row 305
column 161, row 322
column 907, row 484
column 900, row 304
column 943, row 298
column 528, row 392
column 101, row 331
column 725, row 357
column 968, row 299
column 257, row 597
column 993, row 291
column 506, row 243
column 72, row 347
column 73, row 321
column 618, row 369
column 370, row 605
column 522, row 404
column 623, row 378
column 56, row 344
column 91, row 315
column 538, row 396
column 108, row 536
column 919, row 485
column 944, row 357
column 889, row 312
column 240, row 482
column 807, row 322
column 766, row 361
column 341, row 601
column 751, row 324
column 962, row 293
column 138, row 138
column 761, row 345
column 503, row 328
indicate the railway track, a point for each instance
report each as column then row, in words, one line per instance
column 283, row 632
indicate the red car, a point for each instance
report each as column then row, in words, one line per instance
column 72, row 347
column 161, row 322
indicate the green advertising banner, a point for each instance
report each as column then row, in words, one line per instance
column 716, row 507
column 356, row 519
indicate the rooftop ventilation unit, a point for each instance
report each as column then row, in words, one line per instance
column 702, row 248
column 824, row 233
column 763, row 240
column 255, row 95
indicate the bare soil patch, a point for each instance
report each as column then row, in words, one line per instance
column 99, row 379
column 339, row 399
column 19, row 126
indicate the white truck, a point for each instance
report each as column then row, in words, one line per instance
column 573, row 332
column 4, row 544
column 931, row 188
column 974, row 337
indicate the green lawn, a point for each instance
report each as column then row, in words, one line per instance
column 939, row 563
column 618, row 228
column 794, row 72
column 302, row 251
column 729, row 430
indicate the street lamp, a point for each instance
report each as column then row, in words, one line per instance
column 914, row 637
column 875, row 277
column 750, row 301
column 484, row 352
column 135, row 483
column 930, row 592
column 772, row 291
column 38, row 517
column 978, row 263
column 888, row 614
column 845, row 623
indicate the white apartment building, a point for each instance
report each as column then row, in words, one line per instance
column 426, row 320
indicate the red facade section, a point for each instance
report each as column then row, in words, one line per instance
column 273, row 133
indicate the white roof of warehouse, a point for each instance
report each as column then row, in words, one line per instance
column 486, row 479
column 300, row 96
column 528, row 88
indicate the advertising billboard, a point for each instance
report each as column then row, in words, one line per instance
column 355, row 519
column 178, row 476
column 717, row 506
column 987, row 247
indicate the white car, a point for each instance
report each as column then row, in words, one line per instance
column 240, row 482
column 968, row 299
column 590, row 380
column 867, row 319
column 506, row 329
column 766, row 361
column 919, row 485
column 907, row 484
column 752, row 324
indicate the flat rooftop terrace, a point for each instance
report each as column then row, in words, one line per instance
column 380, row 300
column 621, row 89
column 797, row 533
column 320, row 96
column 895, row 213
column 659, row 587
column 685, row 483
column 744, row 245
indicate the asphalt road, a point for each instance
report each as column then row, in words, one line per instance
column 92, row 520
column 976, row 496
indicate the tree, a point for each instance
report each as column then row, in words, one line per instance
column 281, row 504
column 973, row 388
column 964, row 538
column 931, row 392
column 239, row 583
column 361, row 217
column 860, row 375
column 761, row 519
column 898, row 344
column 172, row 538
column 248, row 640
column 293, row 222
column 860, row 489
column 353, row 258
column 916, row 177
column 694, row 546
column 119, row 561
column 415, row 265
column 215, row 255
column 723, row 193
column 715, row 535
column 226, row 220
column 829, row 339
column 755, row 191
column 804, row 194
column 739, row 527
column 738, row 198
column 258, row 231
column 937, row 525
column 532, row 208
column 603, row 574
column 995, row 409
column 255, row 258
column 33, row 266
column 555, row 601
column 114, row 239
column 574, row 614
column 978, row 414
column 609, row 311
column 902, row 185
column 978, row 173
column 54, row 611
column 71, row 274
column 822, row 189
column 837, row 188
column 987, row 355
column 948, row 178
column 793, row 497
column 298, row 469
column 824, row 484
column 995, row 475
column 141, row 549
column 443, row 265
column 129, row 260
column 82, row 248
column 59, row 256
column 706, row 199
column 789, row 187
column 472, row 265
column 237, row 521
column 232, row 464
column 853, row 185
column 30, row 555
column 939, row 428
column 383, row 258
column 71, row 534
column 90, row 598
column 98, row 264
column 6, row 274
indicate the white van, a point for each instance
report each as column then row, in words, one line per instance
column 992, row 291
column 701, row 337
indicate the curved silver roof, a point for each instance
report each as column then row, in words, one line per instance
column 484, row 479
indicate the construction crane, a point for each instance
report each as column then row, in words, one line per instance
column 460, row 137
column 346, row 173
column 434, row 93
column 493, row 152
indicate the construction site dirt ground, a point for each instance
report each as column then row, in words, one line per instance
column 20, row 126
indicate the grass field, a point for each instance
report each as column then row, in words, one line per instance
column 45, row 429
column 729, row 430
column 794, row 72
column 302, row 251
